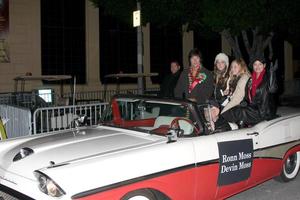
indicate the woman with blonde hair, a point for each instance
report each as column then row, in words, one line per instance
column 238, row 78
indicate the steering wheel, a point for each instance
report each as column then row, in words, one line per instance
column 175, row 124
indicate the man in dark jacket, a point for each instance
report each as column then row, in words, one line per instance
column 169, row 83
column 196, row 82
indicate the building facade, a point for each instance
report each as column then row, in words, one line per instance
column 40, row 45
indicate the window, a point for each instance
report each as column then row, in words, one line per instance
column 63, row 38
column 165, row 46
column 118, row 48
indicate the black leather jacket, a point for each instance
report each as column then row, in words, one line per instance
column 168, row 85
column 263, row 99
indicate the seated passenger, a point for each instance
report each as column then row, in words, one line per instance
column 196, row 82
column 257, row 104
column 239, row 76
column 235, row 92
column 221, row 78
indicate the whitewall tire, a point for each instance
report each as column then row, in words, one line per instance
column 290, row 167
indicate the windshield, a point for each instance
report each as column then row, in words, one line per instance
column 150, row 115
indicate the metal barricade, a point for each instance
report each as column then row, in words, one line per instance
column 19, row 120
column 29, row 100
column 59, row 118
column 105, row 96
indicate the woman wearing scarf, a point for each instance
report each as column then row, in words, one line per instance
column 257, row 104
column 196, row 82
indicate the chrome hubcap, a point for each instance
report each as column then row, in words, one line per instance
column 290, row 164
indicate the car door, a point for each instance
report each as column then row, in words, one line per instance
column 236, row 154
column 274, row 141
column 228, row 165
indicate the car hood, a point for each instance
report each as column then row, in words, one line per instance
column 69, row 146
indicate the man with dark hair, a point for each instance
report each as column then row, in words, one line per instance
column 196, row 82
column 169, row 83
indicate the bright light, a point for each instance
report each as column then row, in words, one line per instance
column 46, row 94
column 136, row 18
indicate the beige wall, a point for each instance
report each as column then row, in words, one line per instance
column 25, row 48
column 146, row 54
column 24, row 42
column 187, row 45
column 92, row 49
column 288, row 62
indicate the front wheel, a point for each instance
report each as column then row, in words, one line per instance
column 290, row 167
column 143, row 194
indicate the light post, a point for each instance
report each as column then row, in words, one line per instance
column 137, row 23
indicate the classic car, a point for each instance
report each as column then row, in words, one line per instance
column 151, row 148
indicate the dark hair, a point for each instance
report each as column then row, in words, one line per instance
column 195, row 52
column 175, row 61
column 221, row 78
column 260, row 58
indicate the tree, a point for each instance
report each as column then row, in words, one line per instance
column 255, row 22
column 251, row 23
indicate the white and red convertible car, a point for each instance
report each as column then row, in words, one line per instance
column 150, row 148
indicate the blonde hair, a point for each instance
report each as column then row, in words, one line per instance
column 242, row 63
column 233, row 79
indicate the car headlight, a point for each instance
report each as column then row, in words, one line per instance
column 24, row 152
column 47, row 185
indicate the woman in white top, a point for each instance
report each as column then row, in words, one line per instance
column 238, row 78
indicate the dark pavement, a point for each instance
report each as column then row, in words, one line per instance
column 272, row 190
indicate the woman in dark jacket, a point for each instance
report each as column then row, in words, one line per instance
column 257, row 104
column 221, row 78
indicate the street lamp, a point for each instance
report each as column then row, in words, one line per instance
column 137, row 23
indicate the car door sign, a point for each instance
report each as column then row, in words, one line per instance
column 235, row 161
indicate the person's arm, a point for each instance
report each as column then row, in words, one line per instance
column 264, row 103
column 179, row 89
column 272, row 77
column 205, row 89
column 209, row 87
column 238, row 94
